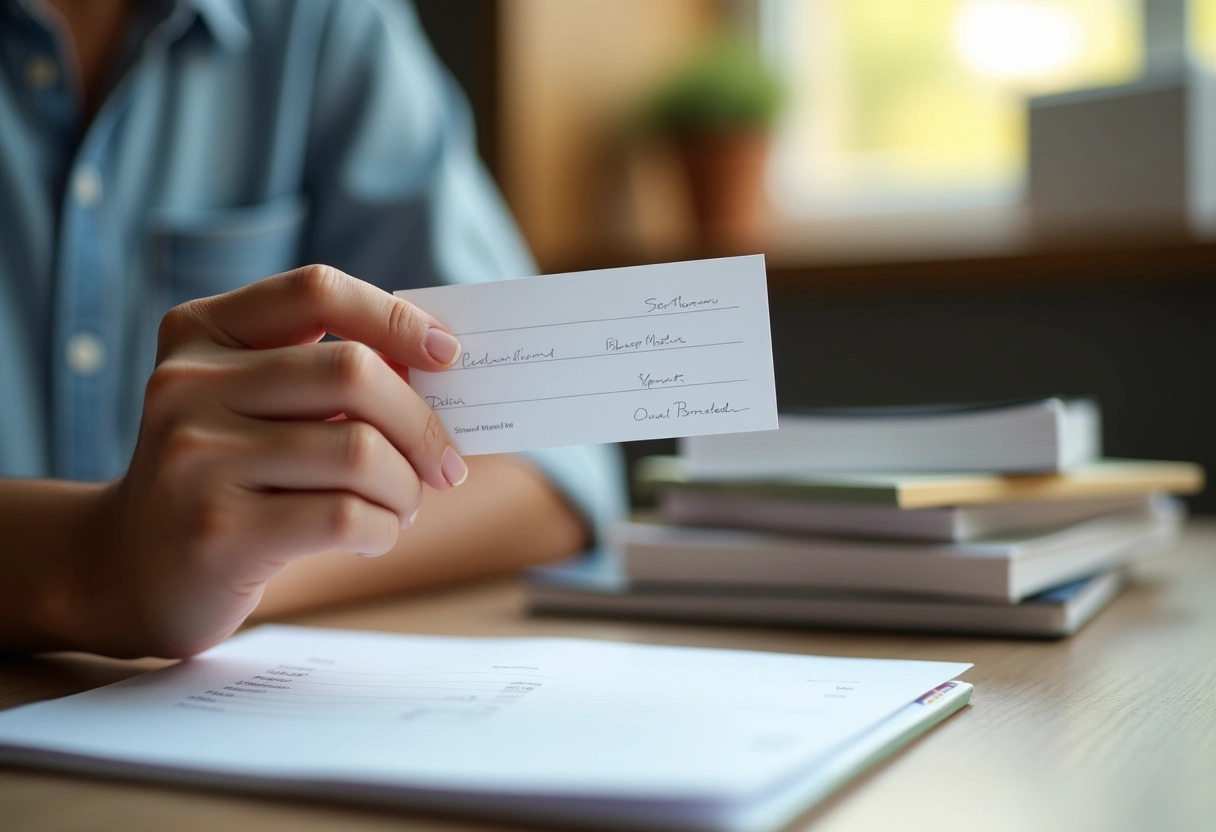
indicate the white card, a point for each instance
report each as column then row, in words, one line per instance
column 645, row 352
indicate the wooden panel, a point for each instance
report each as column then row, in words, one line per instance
column 795, row 268
column 571, row 71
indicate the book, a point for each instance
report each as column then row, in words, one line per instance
column 597, row 587
column 1100, row 479
column 587, row 733
column 693, row 507
column 1007, row 570
column 1052, row 434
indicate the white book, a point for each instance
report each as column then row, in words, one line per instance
column 723, row 509
column 589, row 733
column 1006, row 570
column 598, row 588
column 1053, row 434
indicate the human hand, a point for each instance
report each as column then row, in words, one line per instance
column 260, row 444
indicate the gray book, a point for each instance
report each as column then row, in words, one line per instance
column 688, row 507
column 597, row 587
column 1006, row 570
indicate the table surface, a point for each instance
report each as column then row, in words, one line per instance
column 1113, row 728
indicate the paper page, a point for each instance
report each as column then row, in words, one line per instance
column 647, row 352
column 556, row 717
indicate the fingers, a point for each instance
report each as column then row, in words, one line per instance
column 280, row 527
column 301, row 306
column 320, row 381
column 345, row 455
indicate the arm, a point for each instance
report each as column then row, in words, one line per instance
column 50, row 530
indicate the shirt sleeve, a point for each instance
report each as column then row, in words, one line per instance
column 399, row 197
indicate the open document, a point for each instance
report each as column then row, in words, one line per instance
column 596, row 733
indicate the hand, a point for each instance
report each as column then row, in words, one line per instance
column 260, row 445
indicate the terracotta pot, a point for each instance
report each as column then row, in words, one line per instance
column 726, row 181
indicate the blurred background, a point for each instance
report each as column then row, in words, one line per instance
column 958, row 199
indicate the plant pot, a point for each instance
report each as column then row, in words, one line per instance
column 725, row 173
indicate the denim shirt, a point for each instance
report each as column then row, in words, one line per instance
column 236, row 139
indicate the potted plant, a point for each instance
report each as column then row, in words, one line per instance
column 718, row 110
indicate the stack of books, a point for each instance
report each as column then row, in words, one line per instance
column 999, row 518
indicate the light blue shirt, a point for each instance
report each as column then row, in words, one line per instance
column 238, row 139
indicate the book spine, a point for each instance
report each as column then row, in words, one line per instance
column 825, row 566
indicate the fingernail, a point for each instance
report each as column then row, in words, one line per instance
column 409, row 521
column 369, row 554
column 442, row 346
column 453, row 467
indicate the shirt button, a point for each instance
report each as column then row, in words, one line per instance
column 41, row 73
column 85, row 354
column 86, row 186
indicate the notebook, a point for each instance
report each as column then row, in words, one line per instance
column 596, row 587
column 692, row 507
column 590, row 733
column 1006, row 570
column 1052, row 434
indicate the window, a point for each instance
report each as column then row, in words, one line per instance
column 1203, row 32
column 897, row 105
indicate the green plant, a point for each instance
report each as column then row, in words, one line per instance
column 725, row 86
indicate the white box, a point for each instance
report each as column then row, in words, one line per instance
column 1137, row 158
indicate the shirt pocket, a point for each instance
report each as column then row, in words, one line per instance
column 201, row 253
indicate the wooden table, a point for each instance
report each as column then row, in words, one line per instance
column 1112, row 729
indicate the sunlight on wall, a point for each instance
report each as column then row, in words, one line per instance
column 1203, row 32
column 1017, row 41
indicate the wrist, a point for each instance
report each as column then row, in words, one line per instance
column 76, row 605
column 55, row 529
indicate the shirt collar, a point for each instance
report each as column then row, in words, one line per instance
column 226, row 20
